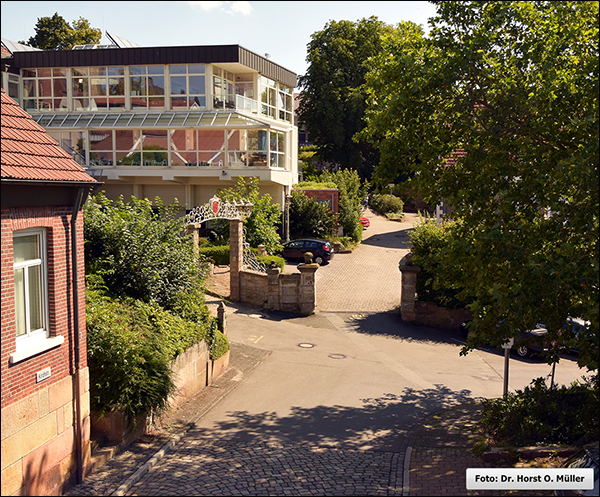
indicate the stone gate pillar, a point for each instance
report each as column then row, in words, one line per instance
column 308, row 289
column 192, row 229
column 408, row 287
column 236, row 256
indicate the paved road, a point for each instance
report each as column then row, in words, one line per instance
column 368, row 279
column 332, row 408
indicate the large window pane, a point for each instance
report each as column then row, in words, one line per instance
column 36, row 321
column 138, row 85
column 178, row 85
column 26, row 248
column 29, row 88
column 29, row 281
column 156, row 85
column 20, row 322
column 196, row 85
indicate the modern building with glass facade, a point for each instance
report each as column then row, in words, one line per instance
column 174, row 122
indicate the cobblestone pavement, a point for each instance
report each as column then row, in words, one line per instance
column 370, row 273
column 442, row 452
column 250, row 468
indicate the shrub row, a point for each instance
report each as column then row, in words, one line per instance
column 219, row 254
column 429, row 244
column 539, row 415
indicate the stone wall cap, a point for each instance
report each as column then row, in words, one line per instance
column 312, row 266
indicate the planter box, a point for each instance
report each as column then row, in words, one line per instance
column 218, row 367
column 115, row 429
column 194, row 371
column 430, row 314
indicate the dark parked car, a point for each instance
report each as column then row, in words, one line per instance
column 526, row 343
column 532, row 341
column 587, row 457
column 321, row 250
column 577, row 326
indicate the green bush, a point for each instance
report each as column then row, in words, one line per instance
column 429, row 244
column 538, row 415
column 218, row 253
column 386, row 204
column 218, row 344
column 131, row 345
column 144, row 303
column 262, row 225
column 309, row 218
column 140, row 250
column 280, row 261
column 352, row 193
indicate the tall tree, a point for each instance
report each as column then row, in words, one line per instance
column 54, row 33
column 332, row 103
column 513, row 88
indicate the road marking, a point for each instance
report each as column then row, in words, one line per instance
column 258, row 338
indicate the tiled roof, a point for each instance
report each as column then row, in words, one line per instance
column 29, row 153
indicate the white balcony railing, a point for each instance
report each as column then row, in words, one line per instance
column 235, row 102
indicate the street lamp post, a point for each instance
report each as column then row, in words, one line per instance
column 288, row 199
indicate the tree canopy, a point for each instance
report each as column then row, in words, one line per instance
column 332, row 101
column 496, row 111
column 54, row 33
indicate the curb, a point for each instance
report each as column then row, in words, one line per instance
column 412, row 436
column 135, row 477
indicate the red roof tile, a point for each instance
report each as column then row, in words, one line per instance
column 29, row 153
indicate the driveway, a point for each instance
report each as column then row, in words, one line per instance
column 366, row 280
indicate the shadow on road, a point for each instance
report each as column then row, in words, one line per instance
column 393, row 240
column 380, row 424
column 390, row 325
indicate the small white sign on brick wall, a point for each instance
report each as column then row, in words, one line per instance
column 44, row 374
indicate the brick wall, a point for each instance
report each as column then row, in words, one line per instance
column 329, row 195
column 38, row 419
column 18, row 380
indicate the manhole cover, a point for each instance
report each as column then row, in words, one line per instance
column 336, row 356
column 306, row 345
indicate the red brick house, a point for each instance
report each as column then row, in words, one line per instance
column 45, row 381
column 328, row 196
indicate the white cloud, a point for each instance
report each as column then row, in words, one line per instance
column 241, row 7
column 228, row 7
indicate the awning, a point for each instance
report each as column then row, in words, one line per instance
column 139, row 120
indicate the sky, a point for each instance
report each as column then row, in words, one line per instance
column 278, row 28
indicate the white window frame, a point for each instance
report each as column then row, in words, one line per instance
column 34, row 341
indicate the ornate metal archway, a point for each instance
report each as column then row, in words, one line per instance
column 233, row 211
column 217, row 209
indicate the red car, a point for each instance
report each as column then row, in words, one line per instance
column 365, row 222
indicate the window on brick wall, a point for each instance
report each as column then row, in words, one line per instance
column 31, row 295
column 31, row 289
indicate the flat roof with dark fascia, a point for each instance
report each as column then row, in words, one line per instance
column 203, row 54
